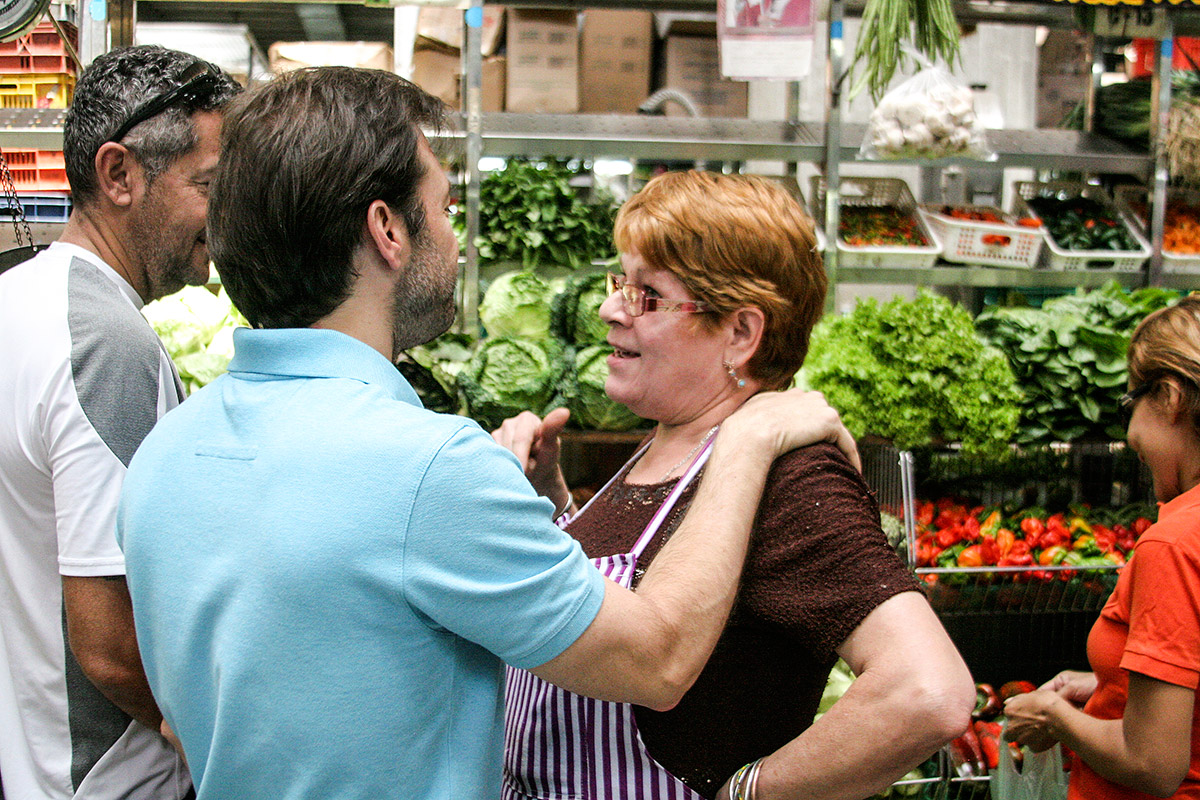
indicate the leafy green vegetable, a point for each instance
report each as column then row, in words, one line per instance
column 196, row 327
column 530, row 213
column 432, row 369
column 506, row 376
column 517, row 304
column 583, row 390
column 1069, row 358
column 575, row 311
column 914, row 371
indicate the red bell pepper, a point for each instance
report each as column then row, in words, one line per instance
column 988, row 734
column 988, row 704
column 1140, row 525
column 1014, row 688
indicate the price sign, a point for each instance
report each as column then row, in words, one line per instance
column 1131, row 22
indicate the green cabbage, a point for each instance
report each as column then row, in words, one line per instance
column 575, row 312
column 583, row 390
column 196, row 327
column 507, row 375
column 517, row 304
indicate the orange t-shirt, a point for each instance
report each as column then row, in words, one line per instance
column 1150, row 625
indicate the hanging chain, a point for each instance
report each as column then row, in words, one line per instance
column 14, row 203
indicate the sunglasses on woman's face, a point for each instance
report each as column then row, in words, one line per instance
column 196, row 83
column 1128, row 400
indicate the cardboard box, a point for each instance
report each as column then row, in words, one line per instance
column 284, row 56
column 438, row 70
column 692, row 65
column 543, row 61
column 444, row 26
column 614, row 60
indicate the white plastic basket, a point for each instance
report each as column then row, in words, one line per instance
column 1128, row 198
column 986, row 243
column 1058, row 258
column 878, row 193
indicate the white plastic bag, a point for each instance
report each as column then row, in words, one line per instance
column 1041, row 775
column 930, row 115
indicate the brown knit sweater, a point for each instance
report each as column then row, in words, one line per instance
column 818, row 564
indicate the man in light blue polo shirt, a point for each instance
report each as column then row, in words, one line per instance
column 326, row 577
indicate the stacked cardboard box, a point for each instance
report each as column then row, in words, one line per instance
column 437, row 55
column 615, row 56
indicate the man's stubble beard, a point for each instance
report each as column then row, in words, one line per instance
column 424, row 305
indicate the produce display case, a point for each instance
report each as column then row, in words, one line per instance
column 877, row 193
column 1134, row 203
column 990, row 244
column 1057, row 257
column 1026, row 622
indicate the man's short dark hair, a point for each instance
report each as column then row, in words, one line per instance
column 302, row 158
column 107, row 94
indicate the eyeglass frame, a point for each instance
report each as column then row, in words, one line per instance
column 637, row 303
column 198, row 81
column 1127, row 400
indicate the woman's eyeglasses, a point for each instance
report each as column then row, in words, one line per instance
column 637, row 303
column 1130, row 398
column 197, row 82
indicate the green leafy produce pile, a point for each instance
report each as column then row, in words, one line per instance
column 507, row 375
column 916, row 372
column 517, row 304
column 1069, row 358
column 196, row 326
column 529, row 213
column 584, row 375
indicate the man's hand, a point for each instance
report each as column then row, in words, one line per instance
column 534, row 441
column 784, row 421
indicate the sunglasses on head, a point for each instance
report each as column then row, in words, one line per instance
column 197, row 82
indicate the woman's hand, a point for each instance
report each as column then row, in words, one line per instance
column 534, row 441
column 1074, row 687
column 1030, row 718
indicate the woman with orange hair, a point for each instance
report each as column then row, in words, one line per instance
column 719, row 289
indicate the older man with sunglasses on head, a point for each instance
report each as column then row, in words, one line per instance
column 85, row 379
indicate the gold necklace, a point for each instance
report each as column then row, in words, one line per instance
column 693, row 452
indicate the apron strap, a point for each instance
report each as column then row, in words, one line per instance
column 661, row 515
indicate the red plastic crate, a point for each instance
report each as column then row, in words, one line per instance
column 40, row 50
column 37, row 169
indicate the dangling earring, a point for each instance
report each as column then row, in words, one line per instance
column 740, row 382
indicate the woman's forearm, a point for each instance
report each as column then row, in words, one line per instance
column 1149, row 749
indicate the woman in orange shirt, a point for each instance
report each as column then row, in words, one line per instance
column 1133, row 722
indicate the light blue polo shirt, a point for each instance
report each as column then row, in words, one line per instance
column 326, row 577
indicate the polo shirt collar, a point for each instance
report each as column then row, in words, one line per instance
column 314, row 353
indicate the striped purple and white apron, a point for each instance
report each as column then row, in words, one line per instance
column 562, row 746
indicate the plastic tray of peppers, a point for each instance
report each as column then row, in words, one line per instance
column 982, row 558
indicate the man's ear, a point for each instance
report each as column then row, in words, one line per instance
column 388, row 232
column 119, row 176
